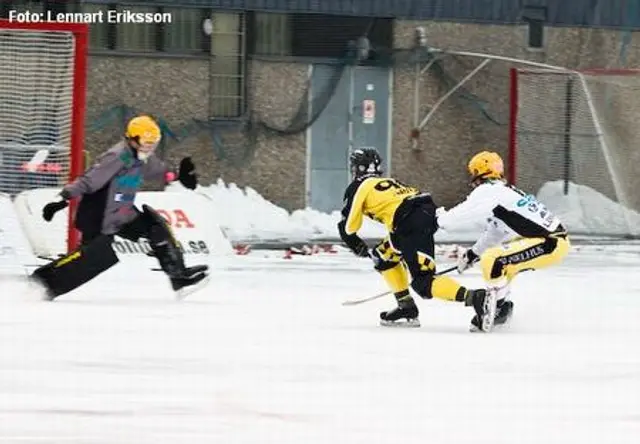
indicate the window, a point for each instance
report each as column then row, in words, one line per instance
column 140, row 37
column 227, row 66
column 27, row 5
column 535, row 17
column 315, row 35
column 99, row 31
column 184, row 34
column 535, row 34
column 272, row 34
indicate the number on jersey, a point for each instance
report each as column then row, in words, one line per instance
column 397, row 187
column 536, row 207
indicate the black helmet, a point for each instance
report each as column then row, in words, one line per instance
column 365, row 162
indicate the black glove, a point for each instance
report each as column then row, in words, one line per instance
column 359, row 247
column 187, row 174
column 52, row 208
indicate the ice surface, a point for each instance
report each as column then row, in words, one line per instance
column 268, row 355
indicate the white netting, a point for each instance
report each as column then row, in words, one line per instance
column 36, row 92
column 578, row 143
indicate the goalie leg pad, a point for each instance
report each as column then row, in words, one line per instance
column 77, row 268
column 164, row 244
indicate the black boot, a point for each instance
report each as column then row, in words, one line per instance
column 170, row 258
column 504, row 312
column 406, row 309
column 192, row 279
column 484, row 304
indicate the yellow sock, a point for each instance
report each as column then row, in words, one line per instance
column 396, row 278
column 446, row 288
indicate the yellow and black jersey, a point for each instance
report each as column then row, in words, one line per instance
column 378, row 198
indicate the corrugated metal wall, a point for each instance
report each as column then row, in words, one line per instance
column 599, row 13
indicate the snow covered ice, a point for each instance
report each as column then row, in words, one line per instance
column 267, row 354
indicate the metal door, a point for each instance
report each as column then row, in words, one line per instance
column 357, row 115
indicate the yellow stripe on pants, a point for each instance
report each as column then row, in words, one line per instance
column 503, row 262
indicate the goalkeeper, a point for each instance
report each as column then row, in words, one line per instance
column 107, row 193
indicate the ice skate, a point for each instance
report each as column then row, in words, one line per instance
column 484, row 303
column 504, row 313
column 404, row 315
column 190, row 281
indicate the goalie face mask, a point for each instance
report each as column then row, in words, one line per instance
column 146, row 150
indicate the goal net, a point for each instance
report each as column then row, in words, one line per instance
column 575, row 142
column 42, row 101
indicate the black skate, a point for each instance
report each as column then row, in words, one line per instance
column 405, row 310
column 484, row 303
column 190, row 280
column 504, row 313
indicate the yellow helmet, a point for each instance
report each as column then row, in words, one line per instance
column 144, row 130
column 486, row 165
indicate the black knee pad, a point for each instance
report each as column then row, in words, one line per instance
column 422, row 272
column 422, row 285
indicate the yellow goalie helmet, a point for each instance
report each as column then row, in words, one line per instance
column 144, row 130
column 486, row 165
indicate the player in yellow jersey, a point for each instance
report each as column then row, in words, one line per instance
column 409, row 217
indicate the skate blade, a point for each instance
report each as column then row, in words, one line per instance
column 496, row 326
column 490, row 307
column 409, row 323
column 189, row 290
column 197, row 269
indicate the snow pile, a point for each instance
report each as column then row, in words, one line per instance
column 586, row 211
column 246, row 216
column 15, row 250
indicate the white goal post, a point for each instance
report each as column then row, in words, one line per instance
column 42, row 107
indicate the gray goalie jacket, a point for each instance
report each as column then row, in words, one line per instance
column 108, row 189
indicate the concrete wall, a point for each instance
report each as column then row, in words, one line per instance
column 177, row 91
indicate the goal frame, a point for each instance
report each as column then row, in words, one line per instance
column 514, row 103
column 80, row 32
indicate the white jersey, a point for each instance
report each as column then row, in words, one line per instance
column 507, row 211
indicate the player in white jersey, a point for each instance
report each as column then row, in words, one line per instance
column 520, row 232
